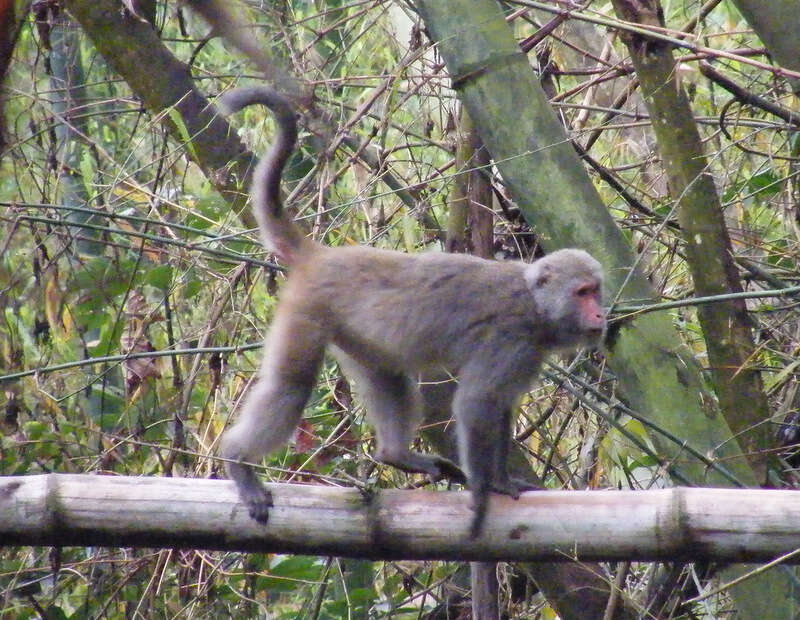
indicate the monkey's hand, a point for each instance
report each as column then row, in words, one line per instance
column 505, row 485
column 252, row 493
column 512, row 487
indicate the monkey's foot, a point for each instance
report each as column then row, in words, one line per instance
column 258, row 501
column 437, row 467
column 251, row 492
column 449, row 470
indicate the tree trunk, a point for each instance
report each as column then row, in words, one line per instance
column 709, row 255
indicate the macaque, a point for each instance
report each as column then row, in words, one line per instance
column 390, row 318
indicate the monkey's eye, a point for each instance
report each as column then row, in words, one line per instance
column 585, row 291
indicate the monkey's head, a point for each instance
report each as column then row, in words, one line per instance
column 567, row 287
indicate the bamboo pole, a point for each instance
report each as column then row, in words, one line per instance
column 687, row 524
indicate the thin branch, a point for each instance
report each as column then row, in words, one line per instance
column 627, row 312
column 106, row 359
column 743, row 95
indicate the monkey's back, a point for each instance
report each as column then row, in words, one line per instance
column 415, row 310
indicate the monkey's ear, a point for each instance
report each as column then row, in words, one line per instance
column 537, row 276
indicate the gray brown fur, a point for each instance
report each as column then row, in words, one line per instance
column 390, row 318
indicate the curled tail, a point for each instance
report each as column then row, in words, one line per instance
column 278, row 233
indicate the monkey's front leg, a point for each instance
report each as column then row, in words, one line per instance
column 503, row 483
column 479, row 438
column 484, row 440
column 252, row 493
column 513, row 487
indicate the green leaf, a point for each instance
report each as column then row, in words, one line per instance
column 290, row 573
column 34, row 429
column 160, row 277
column 207, row 210
column 87, row 170
column 177, row 119
column 764, row 184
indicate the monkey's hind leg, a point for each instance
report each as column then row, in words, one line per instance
column 272, row 408
column 394, row 408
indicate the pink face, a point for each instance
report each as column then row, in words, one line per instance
column 588, row 300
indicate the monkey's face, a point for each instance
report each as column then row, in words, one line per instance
column 589, row 314
column 567, row 288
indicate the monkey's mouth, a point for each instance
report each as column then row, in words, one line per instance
column 598, row 338
column 593, row 336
